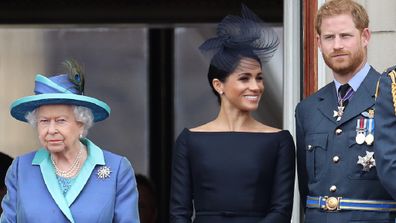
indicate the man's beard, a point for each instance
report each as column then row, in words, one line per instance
column 347, row 65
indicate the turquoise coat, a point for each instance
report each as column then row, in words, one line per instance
column 33, row 193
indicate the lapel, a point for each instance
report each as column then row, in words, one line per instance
column 42, row 158
column 363, row 98
column 95, row 157
column 328, row 101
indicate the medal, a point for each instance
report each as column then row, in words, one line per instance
column 360, row 138
column 367, row 161
column 360, row 131
column 370, row 137
column 342, row 101
column 338, row 113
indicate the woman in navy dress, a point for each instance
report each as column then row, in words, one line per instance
column 234, row 169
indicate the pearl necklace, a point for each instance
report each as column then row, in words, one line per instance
column 74, row 167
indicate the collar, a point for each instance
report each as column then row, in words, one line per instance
column 356, row 80
column 42, row 158
column 95, row 154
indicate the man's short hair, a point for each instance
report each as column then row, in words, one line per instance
column 341, row 7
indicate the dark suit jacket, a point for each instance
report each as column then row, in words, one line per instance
column 320, row 138
column 385, row 134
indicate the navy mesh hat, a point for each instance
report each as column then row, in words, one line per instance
column 240, row 36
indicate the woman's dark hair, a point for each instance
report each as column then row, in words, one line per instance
column 221, row 74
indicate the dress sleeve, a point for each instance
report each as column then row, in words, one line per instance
column 9, row 202
column 385, row 140
column 283, row 183
column 181, row 183
column 126, row 201
column 301, row 158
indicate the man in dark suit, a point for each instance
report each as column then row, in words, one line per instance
column 336, row 163
column 385, row 130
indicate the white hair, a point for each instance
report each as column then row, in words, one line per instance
column 81, row 114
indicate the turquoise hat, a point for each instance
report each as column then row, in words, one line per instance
column 61, row 89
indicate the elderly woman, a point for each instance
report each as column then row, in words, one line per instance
column 69, row 179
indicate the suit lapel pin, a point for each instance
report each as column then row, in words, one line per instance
column 369, row 113
column 367, row 161
column 103, row 172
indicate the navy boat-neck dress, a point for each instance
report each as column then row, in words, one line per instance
column 232, row 177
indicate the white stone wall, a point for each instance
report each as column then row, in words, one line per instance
column 19, row 61
column 382, row 48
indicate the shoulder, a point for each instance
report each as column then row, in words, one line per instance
column 113, row 159
column 371, row 79
column 314, row 98
column 26, row 158
column 110, row 155
column 387, row 77
column 390, row 69
column 260, row 127
column 184, row 134
column 373, row 71
column 284, row 136
column 28, row 155
column 23, row 164
column 207, row 127
column 286, row 143
column 286, row 133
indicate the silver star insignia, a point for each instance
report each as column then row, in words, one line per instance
column 338, row 113
column 104, row 172
column 367, row 161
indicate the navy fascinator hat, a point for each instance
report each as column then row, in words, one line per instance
column 240, row 36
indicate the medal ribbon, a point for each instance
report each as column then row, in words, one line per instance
column 361, row 124
column 346, row 97
column 370, row 125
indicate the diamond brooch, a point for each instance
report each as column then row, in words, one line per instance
column 103, row 172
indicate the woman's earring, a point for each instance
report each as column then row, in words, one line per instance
column 81, row 136
column 221, row 93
